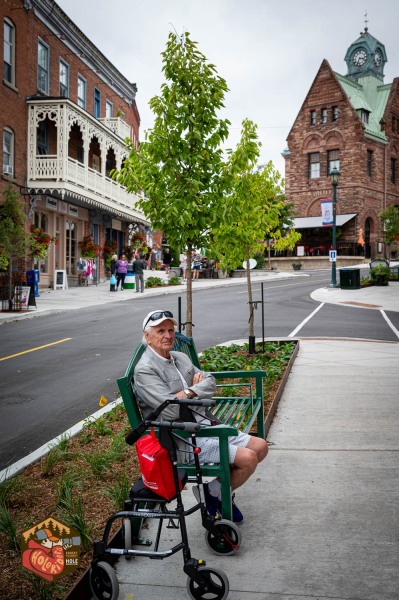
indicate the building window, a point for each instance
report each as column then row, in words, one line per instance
column 97, row 103
column 364, row 115
column 8, row 151
column 64, row 79
column 393, row 170
column 81, row 92
column 42, row 138
column 369, row 167
column 335, row 113
column 43, row 62
column 333, row 160
column 323, row 116
column 109, row 109
column 9, row 52
column 313, row 117
column 314, row 165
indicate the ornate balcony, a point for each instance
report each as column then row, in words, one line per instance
column 70, row 154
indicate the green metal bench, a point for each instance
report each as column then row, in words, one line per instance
column 237, row 412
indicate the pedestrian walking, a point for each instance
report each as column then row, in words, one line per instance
column 153, row 259
column 112, row 268
column 167, row 259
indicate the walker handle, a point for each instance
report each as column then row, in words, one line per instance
column 185, row 426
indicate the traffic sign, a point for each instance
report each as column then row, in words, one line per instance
column 333, row 256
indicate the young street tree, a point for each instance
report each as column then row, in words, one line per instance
column 12, row 232
column 180, row 166
column 390, row 220
column 256, row 211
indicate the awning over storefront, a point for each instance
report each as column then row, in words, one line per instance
column 311, row 222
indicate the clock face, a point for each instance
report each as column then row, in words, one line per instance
column 359, row 58
column 377, row 58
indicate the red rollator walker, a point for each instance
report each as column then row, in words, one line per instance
column 222, row 536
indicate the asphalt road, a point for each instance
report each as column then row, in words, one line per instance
column 78, row 357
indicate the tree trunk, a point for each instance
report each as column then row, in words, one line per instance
column 189, row 296
column 251, row 308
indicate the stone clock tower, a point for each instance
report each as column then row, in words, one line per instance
column 366, row 57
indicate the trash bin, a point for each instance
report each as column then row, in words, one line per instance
column 129, row 281
column 349, row 278
column 33, row 276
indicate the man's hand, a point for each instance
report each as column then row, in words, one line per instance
column 198, row 377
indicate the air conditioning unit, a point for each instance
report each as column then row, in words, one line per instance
column 7, row 169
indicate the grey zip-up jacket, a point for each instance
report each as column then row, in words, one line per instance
column 157, row 380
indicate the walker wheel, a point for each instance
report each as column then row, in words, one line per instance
column 224, row 538
column 215, row 585
column 103, row 581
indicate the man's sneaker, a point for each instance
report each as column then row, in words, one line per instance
column 213, row 504
column 237, row 515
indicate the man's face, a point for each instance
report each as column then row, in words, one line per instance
column 161, row 337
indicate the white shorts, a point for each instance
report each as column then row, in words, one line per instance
column 210, row 448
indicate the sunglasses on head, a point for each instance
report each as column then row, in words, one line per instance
column 158, row 315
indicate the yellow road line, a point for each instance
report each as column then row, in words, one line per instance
column 34, row 349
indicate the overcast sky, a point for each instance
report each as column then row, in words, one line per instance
column 269, row 51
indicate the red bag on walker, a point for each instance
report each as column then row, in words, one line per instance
column 156, row 466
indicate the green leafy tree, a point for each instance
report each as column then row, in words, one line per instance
column 255, row 210
column 180, row 165
column 282, row 236
column 390, row 221
column 12, row 233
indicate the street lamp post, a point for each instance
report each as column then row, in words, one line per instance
column 334, row 176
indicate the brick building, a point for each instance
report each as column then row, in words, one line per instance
column 65, row 113
column 350, row 122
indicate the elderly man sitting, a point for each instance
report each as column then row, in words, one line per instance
column 163, row 374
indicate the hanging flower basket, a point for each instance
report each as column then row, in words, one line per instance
column 39, row 243
column 88, row 248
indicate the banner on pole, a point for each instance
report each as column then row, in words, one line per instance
column 327, row 212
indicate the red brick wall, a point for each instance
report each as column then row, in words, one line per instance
column 357, row 192
column 13, row 111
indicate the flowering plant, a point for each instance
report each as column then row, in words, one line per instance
column 110, row 248
column 88, row 248
column 129, row 251
column 39, row 243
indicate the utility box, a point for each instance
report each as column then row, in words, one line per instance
column 349, row 278
column 32, row 279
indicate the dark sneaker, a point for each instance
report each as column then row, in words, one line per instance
column 237, row 515
column 213, row 504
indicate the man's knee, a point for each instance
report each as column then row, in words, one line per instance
column 246, row 459
column 259, row 446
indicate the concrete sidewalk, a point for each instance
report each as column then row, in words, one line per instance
column 50, row 301
column 321, row 512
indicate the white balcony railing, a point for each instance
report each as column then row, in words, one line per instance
column 69, row 176
column 118, row 127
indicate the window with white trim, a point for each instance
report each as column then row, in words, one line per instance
column 324, row 114
column 333, row 160
column 43, row 67
column 314, row 165
column 64, row 79
column 313, row 117
column 9, row 52
column 109, row 108
column 81, row 92
column 335, row 113
column 8, row 151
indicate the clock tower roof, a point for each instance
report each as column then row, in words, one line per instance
column 366, row 57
